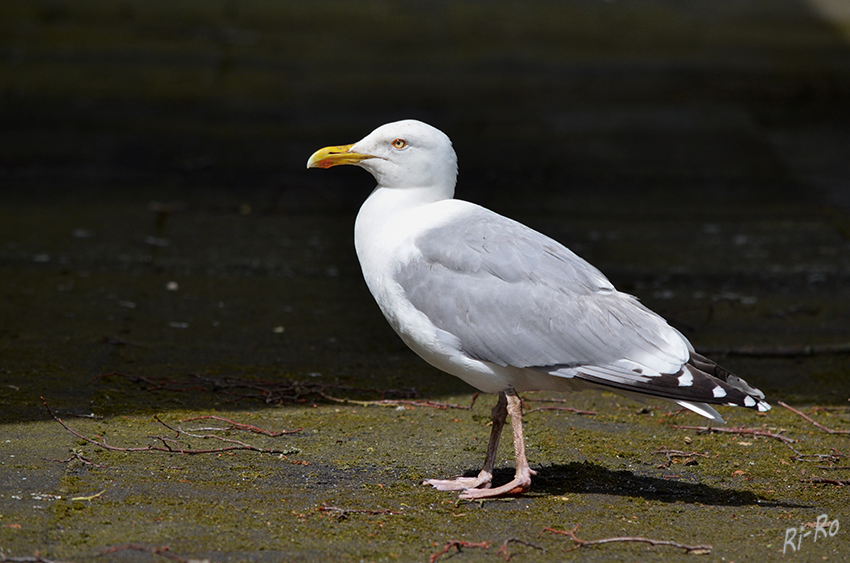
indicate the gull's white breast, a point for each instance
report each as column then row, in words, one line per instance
column 387, row 226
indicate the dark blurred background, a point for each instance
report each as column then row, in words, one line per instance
column 732, row 100
column 697, row 152
column 157, row 219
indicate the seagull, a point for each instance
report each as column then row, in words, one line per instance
column 504, row 307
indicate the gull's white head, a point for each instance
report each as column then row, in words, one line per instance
column 403, row 154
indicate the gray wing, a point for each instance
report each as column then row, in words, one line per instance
column 513, row 296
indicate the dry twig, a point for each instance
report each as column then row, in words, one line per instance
column 89, row 497
column 821, row 426
column 171, row 445
column 458, row 544
column 740, row 430
column 78, row 456
column 399, row 402
column 239, row 426
column 342, row 513
column 567, row 409
column 832, row 457
column 280, row 391
column 26, row 559
column 839, row 482
column 694, row 549
column 503, row 551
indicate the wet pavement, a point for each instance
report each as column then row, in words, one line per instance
column 157, row 221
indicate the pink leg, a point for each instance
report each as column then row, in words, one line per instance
column 522, row 479
column 483, row 480
column 480, row 486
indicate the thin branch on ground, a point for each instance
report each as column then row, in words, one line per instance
column 694, row 549
column 171, row 445
column 739, row 430
column 89, row 497
column 399, row 402
column 778, row 351
column 839, row 482
column 747, row 431
column 164, row 551
column 342, row 513
column 237, row 389
column 833, row 457
column 237, row 444
column 281, row 391
column 677, row 453
column 567, row 409
column 79, row 457
column 239, row 426
column 458, row 544
column 26, row 559
column 819, row 425
column 833, row 468
column 503, row 551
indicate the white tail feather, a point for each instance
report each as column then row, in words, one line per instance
column 703, row 410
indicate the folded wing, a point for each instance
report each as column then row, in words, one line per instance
column 514, row 297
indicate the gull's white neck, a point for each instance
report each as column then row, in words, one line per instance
column 387, row 222
column 385, row 201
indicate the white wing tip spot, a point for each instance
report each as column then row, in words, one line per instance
column 718, row 392
column 749, row 401
column 686, row 379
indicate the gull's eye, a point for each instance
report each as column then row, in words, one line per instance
column 399, row 143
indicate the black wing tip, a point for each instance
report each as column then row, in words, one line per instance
column 751, row 397
column 689, row 384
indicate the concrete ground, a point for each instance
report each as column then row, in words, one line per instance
column 158, row 224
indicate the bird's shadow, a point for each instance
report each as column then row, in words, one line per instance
column 589, row 478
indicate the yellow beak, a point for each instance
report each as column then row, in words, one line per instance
column 334, row 156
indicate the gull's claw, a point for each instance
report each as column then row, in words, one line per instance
column 482, row 482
